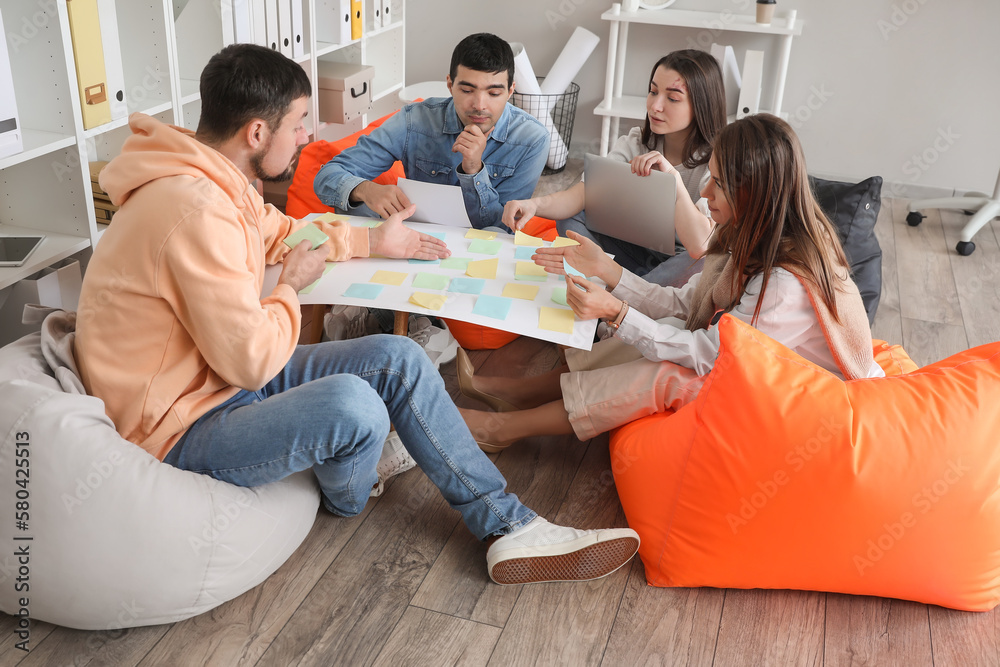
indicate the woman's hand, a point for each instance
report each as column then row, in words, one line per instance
column 517, row 212
column 587, row 258
column 591, row 302
column 644, row 164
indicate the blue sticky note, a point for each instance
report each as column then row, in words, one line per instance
column 425, row 261
column 467, row 285
column 573, row 272
column 438, row 235
column 524, row 252
column 496, row 307
column 364, row 291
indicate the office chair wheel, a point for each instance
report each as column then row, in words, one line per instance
column 914, row 218
column 965, row 248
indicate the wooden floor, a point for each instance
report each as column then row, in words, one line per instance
column 406, row 584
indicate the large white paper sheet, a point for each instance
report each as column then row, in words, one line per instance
column 440, row 204
column 523, row 315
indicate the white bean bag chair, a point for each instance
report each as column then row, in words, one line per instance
column 118, row 539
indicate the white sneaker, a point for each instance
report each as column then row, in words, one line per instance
column 440, row 346
column 344, row 322
column 394, row 460
column 543, row 551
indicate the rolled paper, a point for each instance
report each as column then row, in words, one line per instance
column 525, row 80
column 579, row 47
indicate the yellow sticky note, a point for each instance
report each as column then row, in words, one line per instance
column 559, row 320
column 389, row 277
column 428, row 301
column 480, row 234
column 523, row 269
column 515, row 291
column 484, row 268
column 331, row 217
column 520, row 238
column 562, row 242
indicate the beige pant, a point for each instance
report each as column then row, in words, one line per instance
column 614, row 384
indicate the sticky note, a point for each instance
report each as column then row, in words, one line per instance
column 484, row 247
column 520, row 238
column 524, row 252
column 496, row 307
column 571, row 271
column 364, row 291
column 389, row 277
column 430, row 281
column 480, row 234
column 467, row 285
column 455, row 263
column 424, row 261
column 330, row 217
column 309, row 233
column 438, row 235
column 559, row 320
column 326, row 270
column 515, row 291
column 562, row 242
column 559, row 296
column 483, row 268
column 428, row 301
column 368, row 223
column 529, row 271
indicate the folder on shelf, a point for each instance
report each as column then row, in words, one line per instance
column 285, row 27
column 88, row 52
column 356, row 26
column 242, row 21
column 258, row 21
column 273, row 32
column 333, row 21
column 298, row 33
column 11, row 138
column 112, row 58
column 375, row 14
column 730, row 76
column 753, row 74
column 386, row 13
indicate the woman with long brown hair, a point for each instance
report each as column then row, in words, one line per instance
column 774, row 261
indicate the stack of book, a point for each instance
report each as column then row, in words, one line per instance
column 103, row 207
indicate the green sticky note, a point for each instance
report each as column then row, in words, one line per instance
column 484, row 247
column 524, row 252
column 310, row 288
column 425, row 261
column 364, row 291
column 309, row 233
column 368, row 223
column 496, row 307
column 559, row 296
column 430, row 281
column 461, row 263
column 467, row 285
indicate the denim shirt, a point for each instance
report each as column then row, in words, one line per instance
column 421, row 136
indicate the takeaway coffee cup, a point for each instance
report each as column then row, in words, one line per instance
column 765, row 11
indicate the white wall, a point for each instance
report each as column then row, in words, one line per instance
column 905, row 89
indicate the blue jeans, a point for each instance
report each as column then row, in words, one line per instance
column 654, row 267
column 329, row 410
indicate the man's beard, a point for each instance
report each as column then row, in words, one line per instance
column 257, row 164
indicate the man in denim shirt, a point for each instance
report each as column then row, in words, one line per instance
column 494, row 151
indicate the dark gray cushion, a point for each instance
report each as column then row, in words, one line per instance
column 853, row 209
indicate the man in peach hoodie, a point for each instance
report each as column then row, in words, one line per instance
column 204, row 374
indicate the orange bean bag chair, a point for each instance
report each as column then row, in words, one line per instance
column 780, row 475
column 302, row 201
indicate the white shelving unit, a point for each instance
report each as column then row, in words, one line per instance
column 616, row 106
column 46, row 187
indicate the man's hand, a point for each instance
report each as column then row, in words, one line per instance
column 302, row 266
column 471, row 144
column 517, row 212
column 383, row 199
column 393, row 239
column 644, row 164
column 587, row 258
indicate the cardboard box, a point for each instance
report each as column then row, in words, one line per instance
column 345, row 91
column 57, row 286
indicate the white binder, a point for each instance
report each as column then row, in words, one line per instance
column 273, row 34
column 333, row 21
column 753, row 73
column 113, row 69
column 285, row 30
column 258, row 20
column 242, row 21
column 730, row 76
column 386, row 13
column 11, row 135
column 298, row 34
column 374, row 11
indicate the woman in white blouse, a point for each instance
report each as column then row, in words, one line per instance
column 774, row 262
column 685, row 109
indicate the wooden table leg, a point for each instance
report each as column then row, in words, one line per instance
column 400, row 326
column 316, row 328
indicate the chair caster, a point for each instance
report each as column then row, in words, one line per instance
column 965, row 248
column 914, row 218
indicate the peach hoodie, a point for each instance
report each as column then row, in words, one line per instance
column 171, row 322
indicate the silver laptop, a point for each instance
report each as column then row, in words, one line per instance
column 637, row 209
